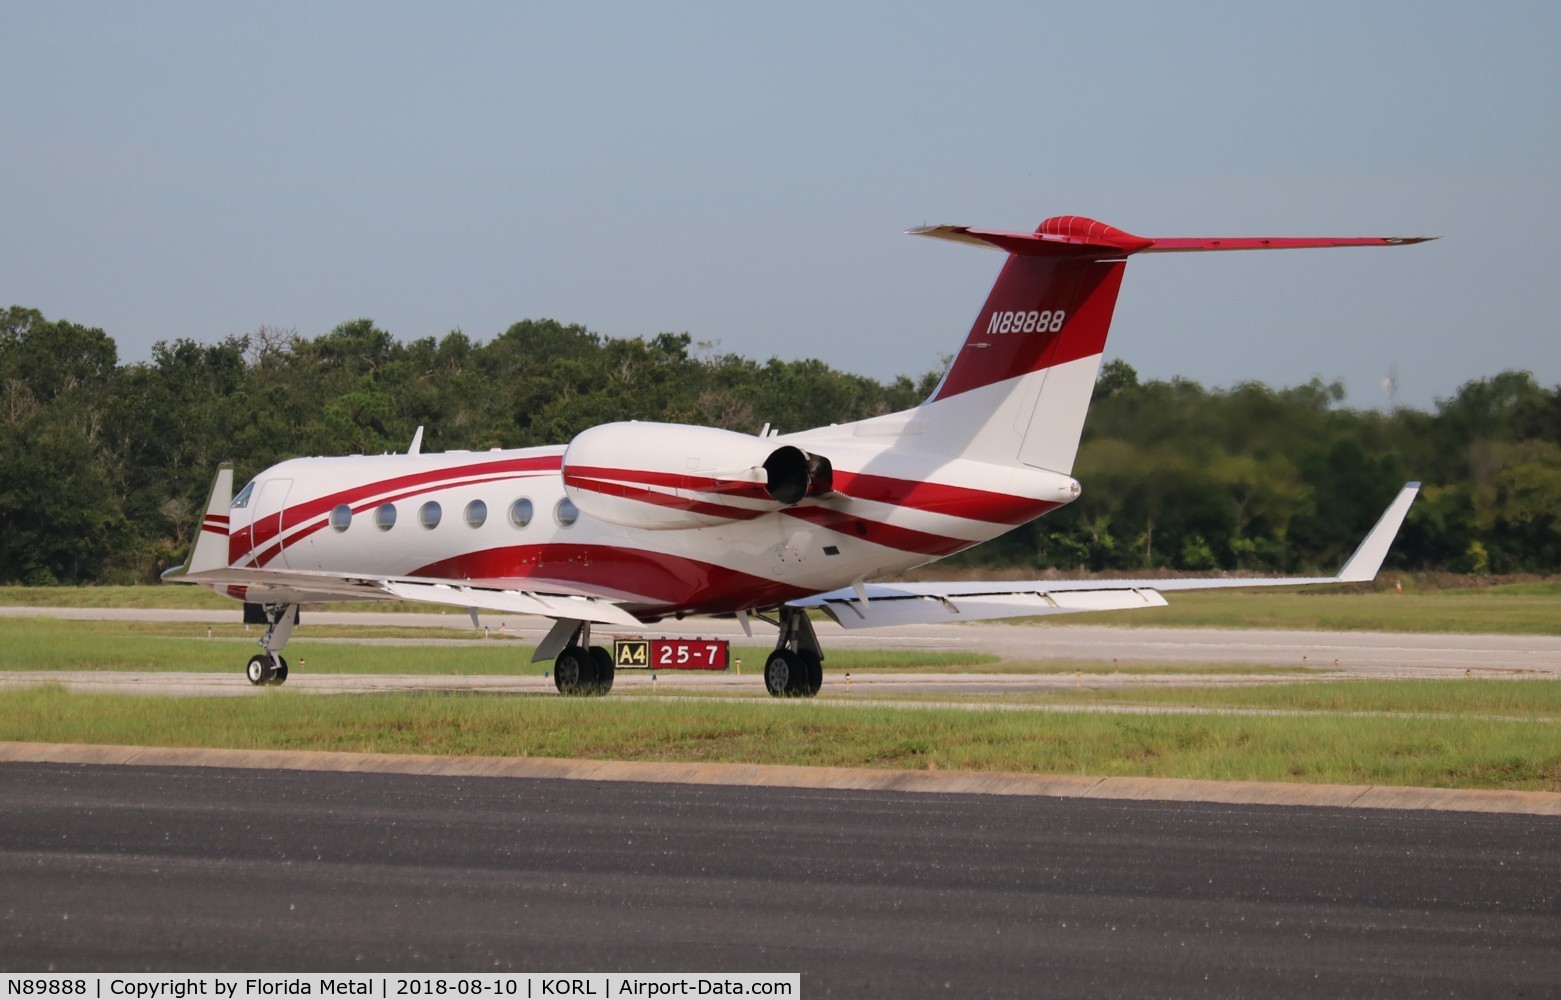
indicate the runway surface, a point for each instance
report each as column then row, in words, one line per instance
column 865, row 893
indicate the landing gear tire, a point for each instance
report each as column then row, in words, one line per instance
column 266, row 668
column 785, row 676
column 796, row 668
column 605, row 670
column 813, row 673
column 575, row 672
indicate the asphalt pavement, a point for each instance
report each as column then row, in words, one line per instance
column 865, row 893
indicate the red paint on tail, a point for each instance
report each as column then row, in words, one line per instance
column 1052, row 302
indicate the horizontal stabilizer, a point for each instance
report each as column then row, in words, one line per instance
column 1280, row 243
column 1077, row 236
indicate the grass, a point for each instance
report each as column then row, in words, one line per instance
column 1461, row 753
column 1519, row 608
column 113, row 597
column 1467, row 733
column 45, row 644
column 178, row 597
column 1147, row 668
column 1534, row 698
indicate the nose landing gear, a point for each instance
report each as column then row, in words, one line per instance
column 268, row 667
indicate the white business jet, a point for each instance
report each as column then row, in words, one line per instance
column 631, row 523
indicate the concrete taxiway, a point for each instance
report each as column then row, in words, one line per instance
column 1383, row 654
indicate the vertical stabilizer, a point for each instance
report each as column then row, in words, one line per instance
column 1019, row 388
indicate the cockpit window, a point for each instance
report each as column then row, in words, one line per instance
column 242, row 500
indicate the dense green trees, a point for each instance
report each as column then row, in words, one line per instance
column 1286, row 480
column 104, row 466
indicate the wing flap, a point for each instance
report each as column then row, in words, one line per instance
column 850, row 612
column 588, row 609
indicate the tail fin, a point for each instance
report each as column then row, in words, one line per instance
column 1019, row 388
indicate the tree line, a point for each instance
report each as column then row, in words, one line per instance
column 104, row 466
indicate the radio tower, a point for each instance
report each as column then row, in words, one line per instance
column 1390, row 386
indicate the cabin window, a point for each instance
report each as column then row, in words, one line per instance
column 341, row 516
column 385, row 516
column 566, row 513
column 242, row 500
column 476, row 514
column 428, row 515
column 520, row 512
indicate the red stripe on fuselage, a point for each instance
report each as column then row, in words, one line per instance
column 655, row 583
column 887, row 535
column 576, row 475
column 934, row 498
column 671, row 500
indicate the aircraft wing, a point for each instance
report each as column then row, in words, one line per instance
column 556, row 606
column 879, row 604
column 371, row 588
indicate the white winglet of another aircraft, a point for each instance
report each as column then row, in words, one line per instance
column 631, row 523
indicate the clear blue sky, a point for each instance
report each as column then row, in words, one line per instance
column 743, row 171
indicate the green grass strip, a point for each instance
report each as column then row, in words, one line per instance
column 1479, row 696
column 1513, row 609
column 52, row 644
column 1452, row 753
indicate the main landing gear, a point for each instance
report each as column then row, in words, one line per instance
column 796, row 668
column 268, row 667
column 579, row 668
column 583, row 670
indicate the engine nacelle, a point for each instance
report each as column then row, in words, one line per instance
column 664, row 476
